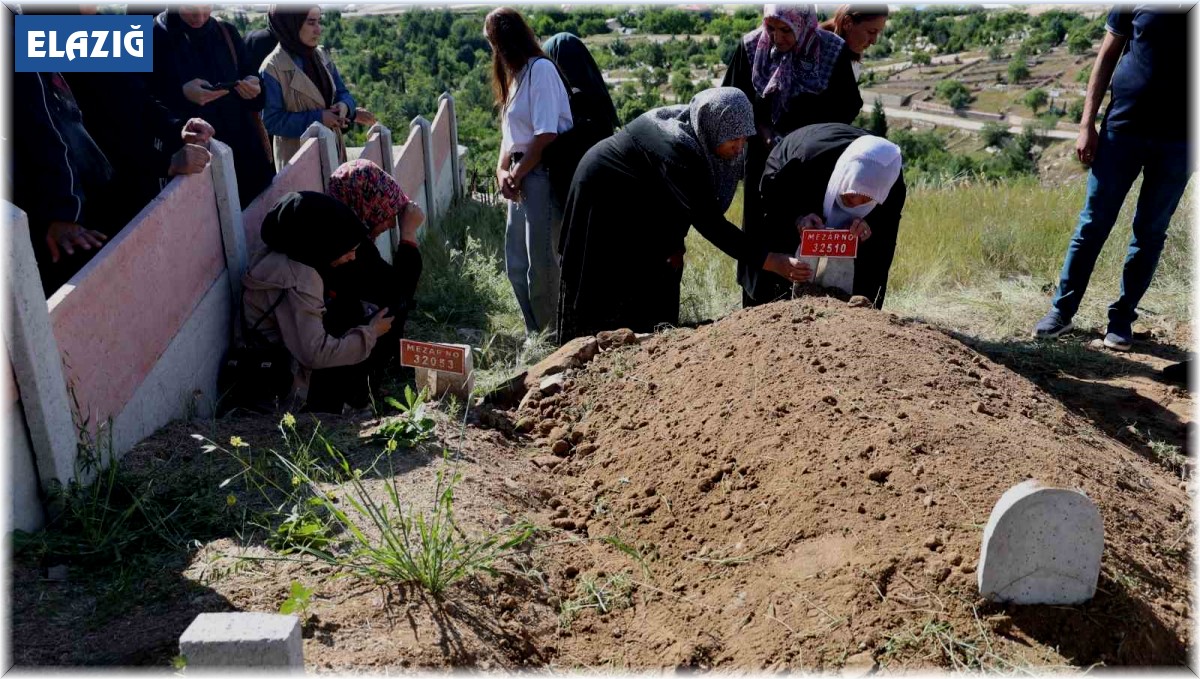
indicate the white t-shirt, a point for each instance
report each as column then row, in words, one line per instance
column 537, row 104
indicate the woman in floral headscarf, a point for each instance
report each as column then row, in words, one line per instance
column 795, row 74
column 370, row 281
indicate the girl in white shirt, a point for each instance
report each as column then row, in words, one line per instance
column 534, row 110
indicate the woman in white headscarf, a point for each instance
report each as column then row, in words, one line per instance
column 631, row 203
column 830, row 176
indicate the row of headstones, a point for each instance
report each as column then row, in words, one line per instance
column 1041, row 546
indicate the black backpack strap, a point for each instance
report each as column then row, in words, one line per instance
column 253, row 330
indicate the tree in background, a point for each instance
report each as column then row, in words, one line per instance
column 1075, row 111
column 1035, row 99
column 1079, row 44
column 996, row 52
column 683, row 87
column 995, row 134
column 1018, row 70
column 954, row 93
column 921, row 59
column 877, row 125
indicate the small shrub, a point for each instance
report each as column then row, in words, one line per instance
column 414, row 424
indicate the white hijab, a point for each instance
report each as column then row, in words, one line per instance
column 869, row 166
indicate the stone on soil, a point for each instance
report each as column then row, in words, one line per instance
column 1041, row 546
column 243, row 640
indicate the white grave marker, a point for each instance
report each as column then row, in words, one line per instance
column 1041, row 546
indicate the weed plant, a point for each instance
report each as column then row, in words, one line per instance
column 340, row 516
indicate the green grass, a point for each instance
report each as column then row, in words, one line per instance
column 983, row 260
column 464, row 295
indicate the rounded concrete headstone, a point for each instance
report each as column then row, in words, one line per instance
column 1041, row 546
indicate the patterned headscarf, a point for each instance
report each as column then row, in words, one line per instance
column 370, row 192
column 805, row 68
column 713, row 117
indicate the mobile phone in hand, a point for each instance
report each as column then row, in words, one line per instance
column 221, row 86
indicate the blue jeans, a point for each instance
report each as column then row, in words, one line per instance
column 530, row 259
column 1165, row 170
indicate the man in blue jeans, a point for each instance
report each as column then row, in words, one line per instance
column 1144, row 131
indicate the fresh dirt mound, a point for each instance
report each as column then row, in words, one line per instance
column 805, row 485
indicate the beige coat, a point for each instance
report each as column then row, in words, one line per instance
column 298, row 320
column 299, row 94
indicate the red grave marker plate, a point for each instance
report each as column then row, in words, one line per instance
column 828, row 243
column 440, row 357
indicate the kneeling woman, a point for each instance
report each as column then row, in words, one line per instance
column 631, row 203
column 829, row 176
column 309, row 236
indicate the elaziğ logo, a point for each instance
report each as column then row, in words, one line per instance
column 103, row 43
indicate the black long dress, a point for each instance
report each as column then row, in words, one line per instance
column 839, row 102
column 793, row 185
column 181, row 54
column 631, row 203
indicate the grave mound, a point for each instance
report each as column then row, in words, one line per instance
column 806, row 484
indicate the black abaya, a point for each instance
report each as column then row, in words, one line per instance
column 793, row 185
column 626, row 217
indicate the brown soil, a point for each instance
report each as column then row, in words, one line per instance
column 809, row 483
column 802, row 485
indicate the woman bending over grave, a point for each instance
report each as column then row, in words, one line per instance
column 309, row 237
column 829, row 176
column 631, row 203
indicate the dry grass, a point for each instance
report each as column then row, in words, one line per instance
column 983, row 260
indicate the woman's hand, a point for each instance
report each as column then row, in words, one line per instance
column 515, row 177
column 410, row 220
column 504, row 181
column 190, row 159
column 860, row 229
column 381, row 322
column 197, row 131
column 330, row 119
column 66, row 236
column 195, row 92
column 364, row 117
column 810, row 222
column 788, row 268
column 248, row 87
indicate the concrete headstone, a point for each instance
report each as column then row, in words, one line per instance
column 1041, row 546
column 440, row 384
column 261, row 640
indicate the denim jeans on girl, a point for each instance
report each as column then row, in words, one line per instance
column 1165, row 169
column 530, row 241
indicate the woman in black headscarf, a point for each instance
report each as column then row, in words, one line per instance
column 632, row 201
column 194, row 52
column 584, row 77
column 302, row 85
column 309, row 235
